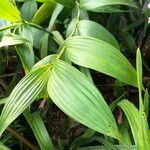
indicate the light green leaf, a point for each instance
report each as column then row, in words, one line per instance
column 143, row 130
column 132, row 115
column 94, row 4
column 146, row 102
column 11, row 26
column 23, row 95
column 28, row 9
column 45, row 61
column 98, row 55
column 3, row 147
column 93, row 29
column 80, row 100
column 11, row 39
column 43, row 12
column 9, row 12
column 39, row 129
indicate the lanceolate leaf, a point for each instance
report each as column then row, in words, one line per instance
column 98, row 55
column 9, row 12
column 28, row 9
column 39, row 129
column 143, row 130
column 80, row 100
column 67, row 3
column 93, row 4
column 25, row 51
column 120, row 147
column 132, row 115
column 93, row 29
column 11, row 39
column 23, row 95
column 44, row 12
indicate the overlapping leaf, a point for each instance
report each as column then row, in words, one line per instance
column 27, row 11
column 12, row 39
column 43, row 12
column 132, row 115
column 25, row 51
column 93, row 29
column 95, row 4
column 23, row 95
column 98, row 55
column 39, row 129
column 72, row 92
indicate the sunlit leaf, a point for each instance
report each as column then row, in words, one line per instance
column 80, row 100
column 98, row 55
column 9, row 12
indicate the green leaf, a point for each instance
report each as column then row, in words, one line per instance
column 11, row 39
column 93, row 29
column 143, row 130
column 66, row 3
column 3, row 147
column 10, row 26
column 28, row 9
column 98, row 55
column 139, row 72
column 120, row 147
column 94, row 4
column 146, row 102
column 43, row 12
column 45, row 61
column 80, row 100
column 39, row 129
column 23, row 95
column 9, row 12
column 132, row 115
column 25, row 51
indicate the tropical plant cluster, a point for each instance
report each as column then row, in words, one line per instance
column 53, row 52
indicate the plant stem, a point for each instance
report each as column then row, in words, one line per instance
column 21, row 138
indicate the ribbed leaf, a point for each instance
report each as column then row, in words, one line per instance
column 120, row 147
column 28, row 9
column 9, row 12
column 93, row 29
column 39, row 129
column 132, row 115
column 25, row 51
column 23, row 95
column 94, row 4
column 72, row 92
column 43, row 12
column 11, row 39
column 98, row 55
column 45, row 61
